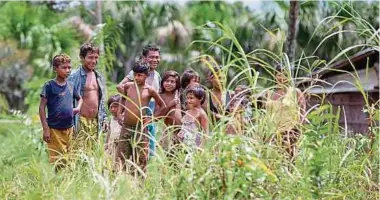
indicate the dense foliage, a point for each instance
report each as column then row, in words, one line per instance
column 249, row 43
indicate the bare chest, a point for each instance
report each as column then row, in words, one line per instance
column 167, row 99
column 91, row 83
column 139, row 96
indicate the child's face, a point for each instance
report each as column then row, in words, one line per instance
column 194, row 80
column 90, row 61
column 113, row 108
column 217, row 80
column 238, row 90
column 140, row 78
column 192, row 101
column 153, row 58
column 170, row 84
column 63, row 70
column 281, row 78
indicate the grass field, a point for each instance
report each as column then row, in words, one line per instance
column 327, row 166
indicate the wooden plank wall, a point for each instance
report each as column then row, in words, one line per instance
column 353, row 105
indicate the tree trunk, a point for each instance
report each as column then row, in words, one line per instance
column 292, row 30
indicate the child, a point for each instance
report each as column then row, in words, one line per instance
column 218, row 97
column 195, row 119
column 188, row 78
column 240, row 110
column 58, row 95
column 133, row 140
column 172, row 113
column 150, row 55
column 285, row 106
column 114, row 129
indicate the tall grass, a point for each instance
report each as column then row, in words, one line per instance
column 327, row 165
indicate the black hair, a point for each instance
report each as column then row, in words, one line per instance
column 187, row 76
column 60, row 59
column 149, row 47
column 113, row 99
column 141, row 67
column 245, row 90
column 198, row 92
column 89, row 47
column 168, row 74
column 215, row 69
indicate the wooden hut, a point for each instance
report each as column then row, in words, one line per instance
column 339, row 85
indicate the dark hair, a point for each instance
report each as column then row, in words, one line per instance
column 141, row 67
column 215, row 69
column 198, row 92
column 186, row 77
column 149, row 47
column 168, row 74
column 245, row 90
column 113, row 99
column 86, row 48
column 60, row 59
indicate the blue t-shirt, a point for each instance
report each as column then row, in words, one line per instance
column 59, row 104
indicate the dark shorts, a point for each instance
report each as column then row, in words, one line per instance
column 133, row 146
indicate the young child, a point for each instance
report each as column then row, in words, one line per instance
column 113, row 134
column 218, row 97
column 240, row 110
column 188, row 78
column 58, row 95
column 195, row 120
column 170, row 86
column 133, row 140
column 152, row 56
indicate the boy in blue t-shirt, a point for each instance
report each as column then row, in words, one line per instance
column 57, row 95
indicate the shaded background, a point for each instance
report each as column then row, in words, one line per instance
column 31, row 33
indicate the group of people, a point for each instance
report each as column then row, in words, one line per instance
column 77, row 112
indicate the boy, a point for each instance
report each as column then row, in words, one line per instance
column 57, row 95
column 133, row 141
column 91, row 86
column 150, row 55
column 113, row 134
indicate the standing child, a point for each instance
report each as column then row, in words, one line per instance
column 188, row 78
column 217, row 97
column 195, row 120
column 58, row 95
column 113, row 134
column 133, row 140
column 170, row 86
column 240, row 110
column 150, row 55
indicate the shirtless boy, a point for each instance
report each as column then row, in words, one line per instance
column 133, row 142
column 91, row 85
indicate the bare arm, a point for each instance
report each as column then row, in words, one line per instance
column 79, row 106
column 120, row 111
column 120, row 86
column 204, row 124
column 163, row 111
column 157, row 98
column 178, row 115
column 42, row 112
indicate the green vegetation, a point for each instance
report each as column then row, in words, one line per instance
column 327, row 165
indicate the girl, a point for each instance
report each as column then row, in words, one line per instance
column 217, row 98
column 112, row 137
column 171, row 114
column 195, row 120
column 188, row 78
column 240, row 110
